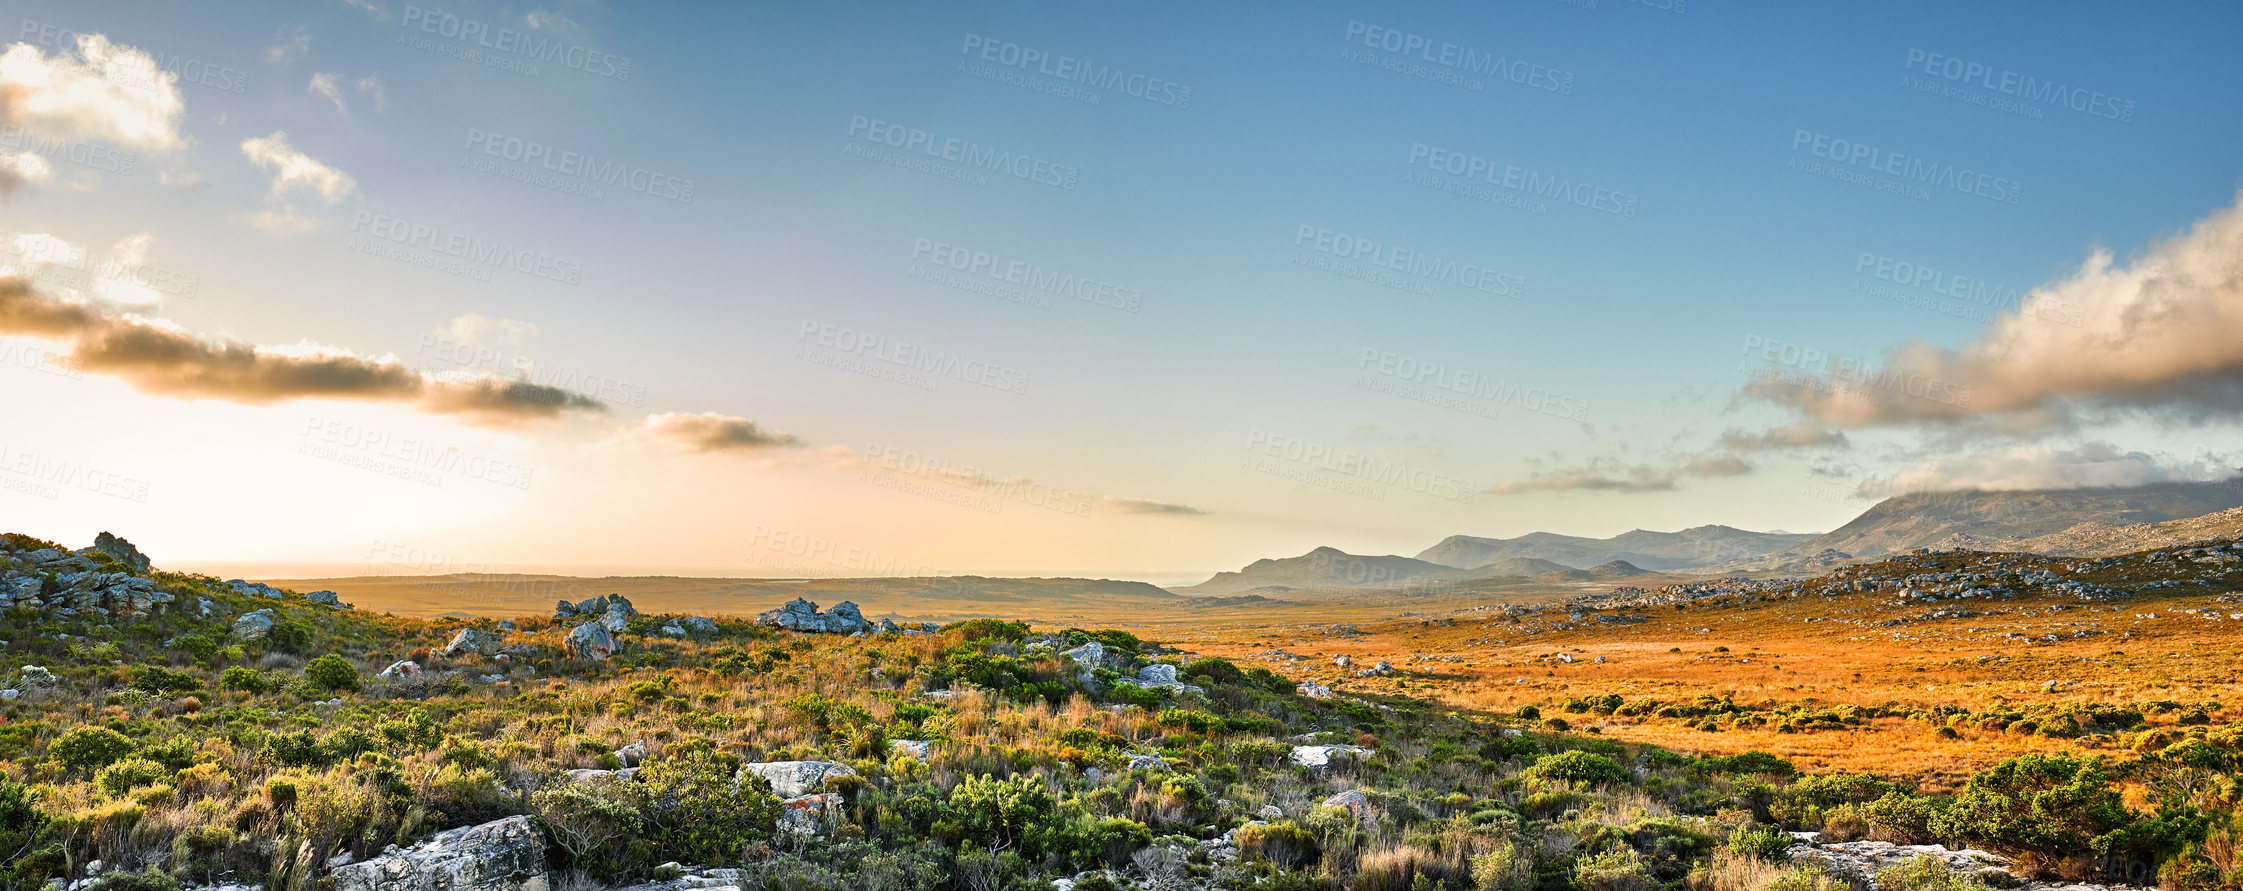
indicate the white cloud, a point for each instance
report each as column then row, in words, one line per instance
column 291, row 44
column 294, row 171
column 22, row 168
column 372, row 85
column 324, row 86
column 102, row 92
column 2086, row 466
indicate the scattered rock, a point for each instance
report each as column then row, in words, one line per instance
column 1321, row 756
column 1353, row 800
column 1314, row 690
column 632, row 754
column 471, row 640
column 402, row 669
column 507, row 854
column 792, row 779
column 254, row 626
column 802, row 615
column 325, row 598
column 1271, row 812
column 590, row 641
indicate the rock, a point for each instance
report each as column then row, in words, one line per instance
column 585, row 775
column 808, row 815
column 618, row 614
column 121, row 549
column 254, row 626
column 632, row 754
column 10, row 695
column 916, row 748
column 590, row 641
column 38, row 676
column 20, row 589
column 673, row 630
column 699, row 625
column 1271, row 812
column 518, row 651
column 471, row 640
column 791, row 779
column 1090, row 655
column 255, row 589
column 1860, row 861
column 1160, row 676
column 507, row 854
column 1344, row 660
column 1147, row 761
column 1314, row 690
column 1321, row 756
column 802, row 615
column 506, row 626
column 324, row 598
column 1353, row 800
column 1380, row 670
column 402, row 668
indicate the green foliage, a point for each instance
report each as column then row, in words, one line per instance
column 1765, row 844
column 1282, row 842
column 248, row 680
column 700, row 810
column 290, row 636
column 333, row 673
column 129, row 774
column 1014, row 812
column 1620, row 869
column 1926, row 873
column 89, row 748
column 150, row 879
column 2053, row 807
column 988, row 629
column 1578, row 767
column 165, row 682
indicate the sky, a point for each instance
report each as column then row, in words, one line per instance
column 1142, row 291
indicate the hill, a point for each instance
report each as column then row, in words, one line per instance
column 2104, row 539
column 1658, row 551
column 1972, row 518
column 1324, row 567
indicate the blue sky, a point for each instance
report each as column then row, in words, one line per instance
column 1242, row 338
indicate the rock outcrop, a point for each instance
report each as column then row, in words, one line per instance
column 1160, row 676
column 793, row 779
column 507, row 854
column 1321, row 756
column 802, row 615
column 590, row 641
column 612, row 611
column 120, row 549
column 471, row 640
column 254, row 626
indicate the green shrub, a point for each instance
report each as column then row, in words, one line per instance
column 333, row 673
column 2045, row 809
column 150, row 879
column 89, row 748
column 165, row 682
column 247, row 680
column 1577, row 767
column 698, row 812
column 1926, row 873
column 1282, row 842
column 1765, row 844
column 129, row 774
column 1620, row 869
column 1012, row 813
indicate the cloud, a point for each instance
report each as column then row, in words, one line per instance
column 324, row 85
column 2086, row 466
column 372, row 85
column 294, row 171
column 370, row 8
column 2162, row 331
column 1596, row 476
column 289, row 45
column 1717, row 465
column 1149, row 506
column 1789, row 436
column 102, row 92
column 477, row 329
column 157, row 357
column 710, row 432
column 19, row 169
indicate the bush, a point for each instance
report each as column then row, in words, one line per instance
column 150, row 879
column 164, row 682
column 1620, row 869
column 1765, row 844
column 1012, row 813
column 1926, row 873
column 1283, row 842
column 698, row 813
column 2046, row 810
column 247, row 680
column 129, row 774
column 333, row 673
column 89, row 748
column 1577, row 767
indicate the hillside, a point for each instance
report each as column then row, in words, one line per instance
column 1971, row 518
column 1324, row 567
column 2104, row 539
column 944, row 597
column 1657, row 551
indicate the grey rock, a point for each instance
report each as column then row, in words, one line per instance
column 1314, row 690
column 471, row 640
column 1321, row 756
column 1271, row 812
column 402, row 668
column 507, row 854
column 120, row 549
column 254, row 626
column 1353, row 800
column 699, row 625
column 1147, row 761
column 632, row 754
column 324, row 598
column 590, row 641
column 802, row 615
column 807, row 816
column 790, row 779
column 916, row 748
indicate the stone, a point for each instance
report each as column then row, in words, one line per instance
column 916, row 748
column 324, row 598
column 1271, row 812
column 673, row 630
column 1353, row 800
column 618, row 614
column 20, row 589
column 506, row 626
column 255, row 589
column 809, row 815
column 791, row 779
column 254, row 626
column 802, row 615
column 590, row 641
column 698, row 625
column 585, row 775
column 1344, row 660
column 1314, row 690
column 632, row 754
column 122, row 550
column 402, row 668
column 39, row 676
column 1321, row 756
column 1160, row 676
column 10, row 695
column 471, row 640
column 1147, row 761
column 506, row 854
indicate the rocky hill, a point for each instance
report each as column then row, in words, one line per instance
column 1324, row 567
column 1657, row 551
column 2104, row 539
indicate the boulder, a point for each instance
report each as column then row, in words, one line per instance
column 618, row 614
column 1353, row 800
column 1147, row 761
column 916, row 748
column 808, row 815
column 507, row 854
column 20, row 589
column 471, row 640
column 1344, row 660
column 802, row 615
column 402, row 668
column 1271, row 812
column 120, row 549
column 791, row 779
column 698, row 625
column 254, row 589
column 1321, row 756
column 254, row 626
column 632, row 754
column 324, row 598
column 1160, row 676
column 1314, row 690
column 590, row 641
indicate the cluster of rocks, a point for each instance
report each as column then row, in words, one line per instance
column 1860, row 861
column 62, row 583
column 507, row 854
column 1160, row 676
column 612, row 611
column 610, row 615
column 845, row 618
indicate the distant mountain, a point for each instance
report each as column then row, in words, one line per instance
column 2104, row 539
column 1983, row 519
column 1321, row 568
column 1655, row 551
column 1521, row 566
